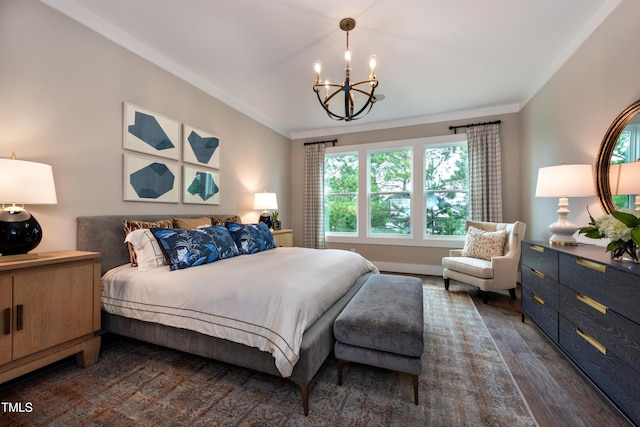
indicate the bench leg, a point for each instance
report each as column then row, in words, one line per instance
column 341, row 364
column 415, row 387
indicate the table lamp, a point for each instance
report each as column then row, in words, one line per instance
column 22, row 183
column 624, row 179
column 565, row 181
column 265, row 202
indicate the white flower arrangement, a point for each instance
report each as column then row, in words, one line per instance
column 622, row 227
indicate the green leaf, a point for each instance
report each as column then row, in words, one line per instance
column 635, row 235
column 615, row 245
column 627, row 219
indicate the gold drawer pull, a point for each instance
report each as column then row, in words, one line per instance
column 537, row 298
column 592, row 303
column 536, row 248
column 537, row 273
column 588, row 338
column 592, row 265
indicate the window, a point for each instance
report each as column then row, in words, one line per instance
column 341, row 193
column 411, row 192
column 390, row 187
column 446, row 189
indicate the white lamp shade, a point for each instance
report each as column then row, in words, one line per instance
column 566, row 180
column 265, row 201
column 624, row 178
column 23, row 182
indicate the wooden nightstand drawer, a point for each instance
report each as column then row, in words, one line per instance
column 283, row 238
column 545, row 316
column 614, row 377
column 614, row 288
column 541, row 259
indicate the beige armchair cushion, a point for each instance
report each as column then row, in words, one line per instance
column 484, row 244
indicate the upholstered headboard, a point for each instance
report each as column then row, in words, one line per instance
column 105, row 234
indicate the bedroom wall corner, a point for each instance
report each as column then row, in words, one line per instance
column 62, row 88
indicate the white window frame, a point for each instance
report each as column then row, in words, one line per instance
column 418, row 238
column 357, row 193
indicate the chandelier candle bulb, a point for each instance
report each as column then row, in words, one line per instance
column 318, row 68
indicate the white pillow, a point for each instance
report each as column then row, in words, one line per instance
column 148, row 251
column 484, row 244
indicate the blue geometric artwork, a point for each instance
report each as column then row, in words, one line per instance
column 201, row 186
column 203, row 148
column 152, row 181
column 151, row 133
column 200, row 147
column 147, row 128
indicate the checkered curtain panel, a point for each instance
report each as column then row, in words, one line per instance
column 314, row 196
column 485, row 179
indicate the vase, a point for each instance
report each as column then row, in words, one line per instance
column 628, row 252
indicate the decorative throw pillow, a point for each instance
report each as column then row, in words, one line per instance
column 191, row 222
column 149, row 255
column 131, row 225
column 191, row 247
column 251, row 238
column 222, row 220
column 484, row 244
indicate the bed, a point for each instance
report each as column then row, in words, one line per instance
column 105, row 234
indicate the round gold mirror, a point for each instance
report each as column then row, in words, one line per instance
column 605, row 154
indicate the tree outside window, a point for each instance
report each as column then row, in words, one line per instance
column 390, row 187
column 341, row 193
column 446, row 189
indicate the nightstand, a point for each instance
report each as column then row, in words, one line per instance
column 49, row 310
column 283, row 238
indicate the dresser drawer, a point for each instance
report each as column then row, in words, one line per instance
column 617, row 290
column 540, row 285
column 541, row 259
column 545, row 316
column 617, row 334
column 614, row 377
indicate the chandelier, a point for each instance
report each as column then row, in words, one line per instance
column 358, row 97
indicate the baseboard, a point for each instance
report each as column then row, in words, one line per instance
column 396, row 267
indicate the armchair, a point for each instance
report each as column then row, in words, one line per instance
column 500, row 272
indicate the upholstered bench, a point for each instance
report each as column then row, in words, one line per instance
column 382, row 326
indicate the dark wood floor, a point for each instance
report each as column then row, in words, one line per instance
column 557, row 393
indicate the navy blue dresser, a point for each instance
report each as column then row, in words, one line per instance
column 590, row 307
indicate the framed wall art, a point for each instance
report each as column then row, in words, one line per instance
column 149, row 179
column 150, row 133
column 201, row 186
column 200, row 147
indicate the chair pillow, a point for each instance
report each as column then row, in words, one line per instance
column 484, row 244
column 149, row 255
column 251, row 238
column 131, row 225
column 191, row 247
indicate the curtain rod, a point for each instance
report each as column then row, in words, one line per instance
column 332, row 141
column 455, row 128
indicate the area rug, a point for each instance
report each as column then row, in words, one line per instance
column 465, row 382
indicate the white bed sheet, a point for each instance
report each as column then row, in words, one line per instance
column 265, row 300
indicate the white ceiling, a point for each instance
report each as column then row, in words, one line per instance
column 437, row 60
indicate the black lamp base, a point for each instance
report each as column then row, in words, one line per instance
column 19, row 232
column 266, row 218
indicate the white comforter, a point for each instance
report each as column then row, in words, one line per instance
column 265, row 300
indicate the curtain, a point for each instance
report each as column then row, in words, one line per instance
column 485, row 180
column 314, row 196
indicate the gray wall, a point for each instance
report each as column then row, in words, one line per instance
column 62, row 87
column 567, row 119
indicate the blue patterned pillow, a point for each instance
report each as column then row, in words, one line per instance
column 251, row 238
column 190, row 247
